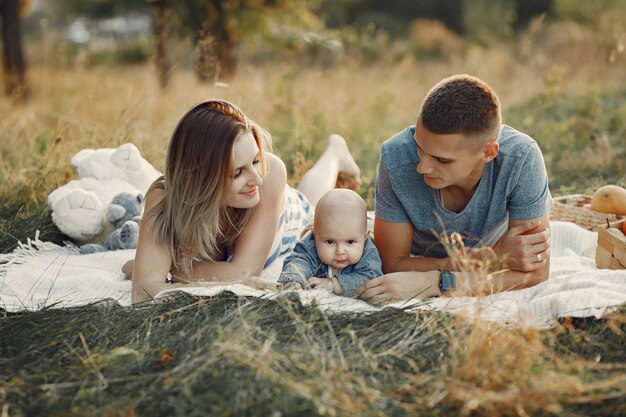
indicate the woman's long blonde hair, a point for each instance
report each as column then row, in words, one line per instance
column 192, row 219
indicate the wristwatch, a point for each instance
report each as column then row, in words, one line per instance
column 447, row 281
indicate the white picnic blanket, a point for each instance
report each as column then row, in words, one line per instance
column 41, row 274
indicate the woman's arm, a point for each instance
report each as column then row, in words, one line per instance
column 152, row 259
column 255, row 242
column 153, row 262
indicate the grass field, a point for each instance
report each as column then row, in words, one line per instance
column 237, row 356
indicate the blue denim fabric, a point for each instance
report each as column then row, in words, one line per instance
column 303, row 263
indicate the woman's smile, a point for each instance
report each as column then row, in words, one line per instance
column 251, row 193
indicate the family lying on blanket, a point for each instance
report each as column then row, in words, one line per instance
column 223, row 210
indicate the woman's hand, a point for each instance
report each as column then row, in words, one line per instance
column 127, row 269
column 262, row 283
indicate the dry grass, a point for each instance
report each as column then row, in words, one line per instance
column 228, row 355
column 496, row 371
column 257, row 357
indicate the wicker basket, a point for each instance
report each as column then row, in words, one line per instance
column 569, row 208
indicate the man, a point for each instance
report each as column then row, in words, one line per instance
column 459, row 169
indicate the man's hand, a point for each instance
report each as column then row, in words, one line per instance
column 524, row 248
column 400, row 286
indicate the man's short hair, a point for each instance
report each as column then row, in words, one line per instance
column 462, row 104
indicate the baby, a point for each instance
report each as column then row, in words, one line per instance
column 337, row 253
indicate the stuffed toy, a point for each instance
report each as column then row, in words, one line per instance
column 79, row 207
column 124, row 211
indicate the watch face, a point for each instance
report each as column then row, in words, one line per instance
column 447, row 281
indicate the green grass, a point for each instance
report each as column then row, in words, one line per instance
column 581, row 135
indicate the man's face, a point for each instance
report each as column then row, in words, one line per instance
column 447, row 160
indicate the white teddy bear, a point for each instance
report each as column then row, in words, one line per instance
column 79, row 207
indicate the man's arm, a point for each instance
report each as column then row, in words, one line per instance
column 525, row 248
column 394, row 241
column 406, row 285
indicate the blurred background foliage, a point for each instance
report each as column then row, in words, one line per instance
column 307, row 68
column 319, row 30
column 554, row 39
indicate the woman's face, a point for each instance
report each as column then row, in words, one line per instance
column 246, row 174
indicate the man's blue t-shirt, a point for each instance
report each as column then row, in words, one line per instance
column 514, row 185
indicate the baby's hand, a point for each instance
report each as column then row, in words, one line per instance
column 291, row 285
column 323, row 283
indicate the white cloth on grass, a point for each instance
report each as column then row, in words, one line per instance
column 41, row 274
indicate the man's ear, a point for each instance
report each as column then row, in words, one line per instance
column 491, row 151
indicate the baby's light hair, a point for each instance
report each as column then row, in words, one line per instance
column 338, row 205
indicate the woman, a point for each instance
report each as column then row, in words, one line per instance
column 223, row 210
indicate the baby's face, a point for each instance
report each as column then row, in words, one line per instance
column 342, row 244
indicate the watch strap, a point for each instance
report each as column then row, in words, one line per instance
column 447, row 281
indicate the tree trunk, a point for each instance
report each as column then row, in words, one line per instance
column 225, row 37
column 160, row 12
column 13, row 57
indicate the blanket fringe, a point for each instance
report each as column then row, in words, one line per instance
column 32, row 247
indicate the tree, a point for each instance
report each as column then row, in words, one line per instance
column 14, row 65
column 218, row 26
column 161, row 16
column 224, row 32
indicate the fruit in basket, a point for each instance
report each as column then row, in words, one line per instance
column 609, row 199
